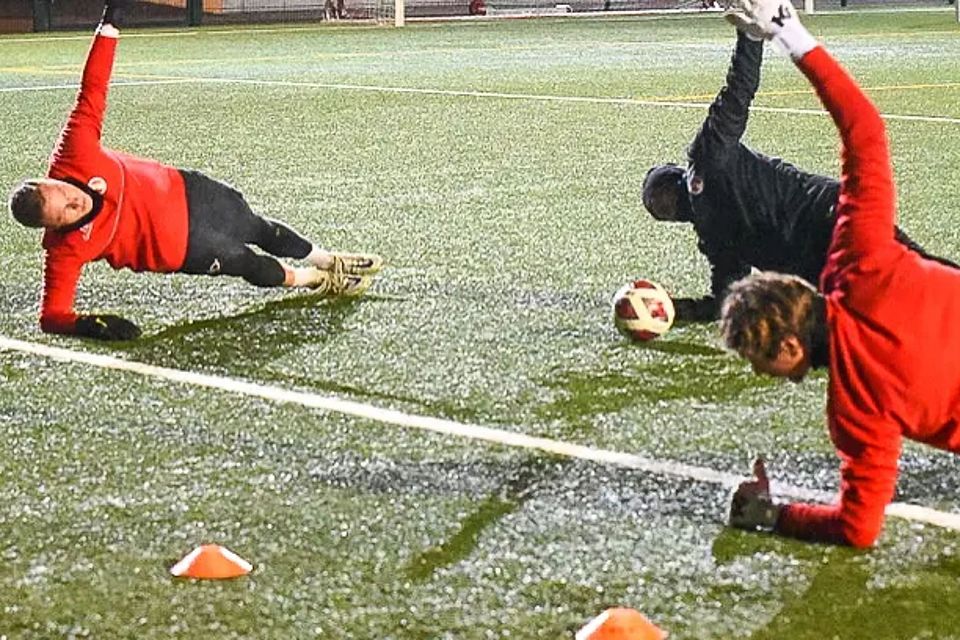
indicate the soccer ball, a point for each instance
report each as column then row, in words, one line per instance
column 642, row 310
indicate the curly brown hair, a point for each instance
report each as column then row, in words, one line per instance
column 762, row 309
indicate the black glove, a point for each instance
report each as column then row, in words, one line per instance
column 113, row 12
column 106, row 327
column 751, row 506
column 696, row 309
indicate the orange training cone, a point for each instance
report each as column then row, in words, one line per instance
column 621, row 624
column 211, row 562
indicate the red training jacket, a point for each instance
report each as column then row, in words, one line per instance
column 143, row 222
column 893, row 337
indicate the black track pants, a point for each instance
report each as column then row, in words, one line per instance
column 221, row 226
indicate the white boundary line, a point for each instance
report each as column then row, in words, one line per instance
column 915, row 513
column 129, row 83
column 480, row 94
column 545, row 98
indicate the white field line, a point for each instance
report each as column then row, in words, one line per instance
column 129, row 83
column 486, row 94
column 911, row 512
column 545, row 98
column 126, row 34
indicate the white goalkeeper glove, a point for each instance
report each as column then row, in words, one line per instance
column 752, row 507
column 738, row 18
column 774, row 20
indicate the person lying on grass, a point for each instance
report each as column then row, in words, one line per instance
column 884, row 324
column 99, row 204
column 749, row 210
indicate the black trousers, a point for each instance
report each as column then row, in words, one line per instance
column 221, row 228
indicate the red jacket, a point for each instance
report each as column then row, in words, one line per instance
column 143, row 222
column 892, row 321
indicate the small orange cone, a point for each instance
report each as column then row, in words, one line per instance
column 621, row 623
column 211, row 562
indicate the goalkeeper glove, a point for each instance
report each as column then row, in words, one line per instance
column 106, row 327
column 744, row 23
column 774, row 20
column 113, row 11
column 752, row 507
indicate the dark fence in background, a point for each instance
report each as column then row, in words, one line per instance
column 16, row 16
column 45, row 15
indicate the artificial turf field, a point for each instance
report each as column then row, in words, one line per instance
column 497, row 168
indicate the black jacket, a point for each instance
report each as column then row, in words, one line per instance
column 750, row 209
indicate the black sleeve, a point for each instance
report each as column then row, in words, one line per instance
column 901, row 237
column 705, row 309
column 725, row 269
column 727, row 117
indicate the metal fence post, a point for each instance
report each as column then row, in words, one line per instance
column 41, row 15
column 194, row 12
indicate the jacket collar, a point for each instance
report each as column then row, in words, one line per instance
column 97, row 199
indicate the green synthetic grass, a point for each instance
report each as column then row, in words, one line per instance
column 507, row 223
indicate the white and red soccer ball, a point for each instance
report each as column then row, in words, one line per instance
column 642, row 310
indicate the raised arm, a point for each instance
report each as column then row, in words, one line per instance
column 867, row 200
column 868, row 442
column 726, row 268
column 83, row 128
column 727, row 117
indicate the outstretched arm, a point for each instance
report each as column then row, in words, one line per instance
column 865, row 211
column 863, row 229
column 81, row 137
column 866, row 205
column 725, row 269
column 727, row 117
column 705, row 309
column 83, row 129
